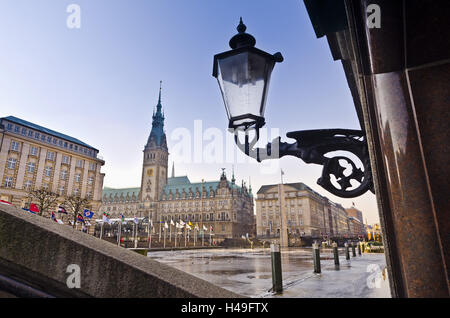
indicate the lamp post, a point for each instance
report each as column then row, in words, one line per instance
column 243, row 74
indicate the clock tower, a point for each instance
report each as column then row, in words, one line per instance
column 154, row 168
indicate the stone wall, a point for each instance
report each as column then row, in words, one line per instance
column 37, row 251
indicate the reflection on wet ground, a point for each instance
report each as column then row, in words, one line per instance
column 249, row 273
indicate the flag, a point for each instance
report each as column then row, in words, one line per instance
column 106, row 218
column 171, row 222
column 28, row 210
column 122, row 218
column 136, row 220
column 55, row 219
column 34, row 208
column 89, row 214
column 190, row 224
column 211, row 228
column 181, row 222
column 5, row 202
column 62, row 210
column 166, row 226
column 80, row 218
column 196, row 226
column 205, row 228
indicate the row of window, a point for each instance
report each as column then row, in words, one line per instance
column 153, row 156
column 291, row 202
column 50, row 140
column 190, row 195
column 51, row 156
column 292, row 211
column 121, row 200
column 221, row 216
column 291, row 222
column 31, row 166
column 197, row 204
column 8, row 183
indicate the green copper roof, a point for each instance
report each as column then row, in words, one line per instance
column 157, row 133
column 45, row 130
column 173, row 184
column 174, row 181
column 183, row 183
column 130, row 191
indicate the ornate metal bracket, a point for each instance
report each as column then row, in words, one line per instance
column 311, row 146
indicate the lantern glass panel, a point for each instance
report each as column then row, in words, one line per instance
column 244, row 79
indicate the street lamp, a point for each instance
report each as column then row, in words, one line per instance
column 243, row 74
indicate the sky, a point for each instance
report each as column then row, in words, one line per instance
column 99, row 83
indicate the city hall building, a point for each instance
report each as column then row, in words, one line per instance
column 222, row 204
column 34, row 157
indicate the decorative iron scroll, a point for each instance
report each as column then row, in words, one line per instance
column 311, row 146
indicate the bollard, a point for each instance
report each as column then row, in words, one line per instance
column 336, row 254
column 353, row 250
column 347, row 254
column 363, row 246
column 359, row 248
column 277, row 279
column 316, row 256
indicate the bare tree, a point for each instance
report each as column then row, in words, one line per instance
column 74, row 205
column 44, row 199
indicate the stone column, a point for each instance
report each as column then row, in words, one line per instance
column 73, row 161
column 404, row 71
column 22, row 162
column 57, row 174
column 6, row 144
column 40, row 167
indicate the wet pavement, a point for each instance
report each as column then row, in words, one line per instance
column 248, row 272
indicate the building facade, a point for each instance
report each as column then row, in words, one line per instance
column 307, row 212
column 354, row 212
column 34, row 157
column 357, row 228
column 222, row 204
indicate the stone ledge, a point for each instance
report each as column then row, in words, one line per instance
column 37, row 251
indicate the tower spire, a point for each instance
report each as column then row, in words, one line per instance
column 157, row 133
column 173, row 169
column 233, row 180
column 160, row 85
column 159, row 106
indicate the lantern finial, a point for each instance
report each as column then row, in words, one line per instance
column 241, row 27
column 242, row 39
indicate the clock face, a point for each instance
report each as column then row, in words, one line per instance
column 150, row 172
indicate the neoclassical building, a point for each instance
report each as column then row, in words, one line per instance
column 307, row 212
column 34, row 157
column 222, row 204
